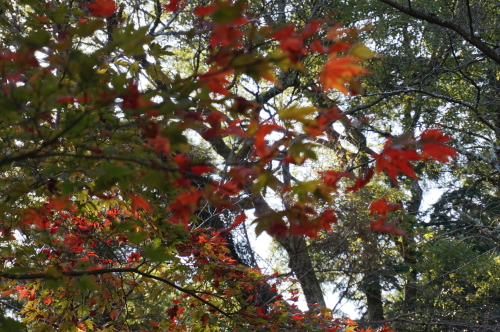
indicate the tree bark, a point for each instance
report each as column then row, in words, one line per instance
column 373, row 292
column 301, row 265
column 299, row 259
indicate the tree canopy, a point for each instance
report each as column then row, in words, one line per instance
column 141, row 140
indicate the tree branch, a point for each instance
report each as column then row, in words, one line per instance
column 432, row 18
column 31, row 276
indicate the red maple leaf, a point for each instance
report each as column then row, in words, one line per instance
column 381, row 207
column 215, row 80
column 378, row 225
column 277, row 229
column 201, row 169
column 292, row 43
column 58, row 203
column 132, row 98
column 328, row 217
column 433, row 146
column 184, row 205
column 204, row 10
column 183, row 161
column 225, row 35
column 229, row 188
column 160, row 144
column 324, row 119
column 361, row 182
column 175, row 5
column 101, row 8
column 317, row 46
column 294, row 46
column 237, row 221
column 311, row 28
column 394, row 160
column 330, row 178
column 172, row 312
column 260, row 143
column 134, row 257
column 283, row 33
column 36, row 217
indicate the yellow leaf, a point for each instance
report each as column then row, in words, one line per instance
column 361, row 51
column 296, row 113
column 121, row 63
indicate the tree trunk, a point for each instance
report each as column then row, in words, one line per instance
column 299, row 259
column 301, row 265
column 373, row 292
column 407, row 248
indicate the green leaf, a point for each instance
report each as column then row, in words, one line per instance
column 8, row 324
column 228, row 12
column 131, row 39
column 87, row 283
column 88, row 28
column 137, row 237
column 157, row 51
column 296, row 113
column 157, row 254
column 37, row 38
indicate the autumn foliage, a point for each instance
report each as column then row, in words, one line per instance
column 115, row 220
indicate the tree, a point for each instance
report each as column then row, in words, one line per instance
column 126, row 133
column 439, row 68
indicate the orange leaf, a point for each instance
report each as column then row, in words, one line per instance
column 58, row 203
column 350, row 322
column 339, row 71
column 114, row 314
column 139, row 202
column 47, row 300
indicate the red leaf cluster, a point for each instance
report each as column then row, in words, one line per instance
column 293, row 42
column 101, row 8
column 433, row 146
column 381, row 207
column 397, row 154
column 175, row 5
column 215, row 80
